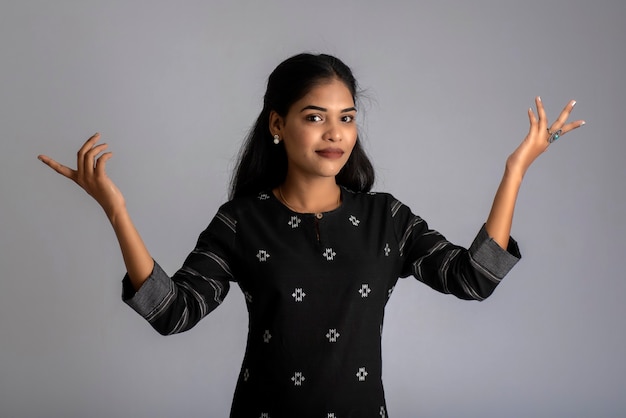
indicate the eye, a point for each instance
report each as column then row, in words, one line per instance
column 314, row 118
column 347, row 118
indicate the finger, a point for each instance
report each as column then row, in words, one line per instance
column 91, row 156
column 541, row 112
column 58, row 167
column 560, row 121
column 100, row 169
column 571, row 126
column 532, row 121
column 531, row 117
column 81, row 165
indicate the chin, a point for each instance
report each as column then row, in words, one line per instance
column 332, row 172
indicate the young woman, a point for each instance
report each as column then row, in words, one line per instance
column 315, row 253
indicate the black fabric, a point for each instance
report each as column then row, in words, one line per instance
column 315, row 288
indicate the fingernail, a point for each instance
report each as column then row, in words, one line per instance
column 539, row 98
column 582, row 123
column 573, row 103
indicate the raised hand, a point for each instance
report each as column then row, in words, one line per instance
column 541, row 136
column 90, row 174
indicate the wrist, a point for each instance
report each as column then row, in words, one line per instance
column 514, row 168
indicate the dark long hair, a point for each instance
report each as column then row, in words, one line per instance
column 261, row 164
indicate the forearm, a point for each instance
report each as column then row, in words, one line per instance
column 500, row 218
column 138, row 261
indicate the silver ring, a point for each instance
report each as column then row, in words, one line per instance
column 554, row 135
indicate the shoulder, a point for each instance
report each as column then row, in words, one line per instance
column 229, row 215
column 379, row 201
column 246, row 205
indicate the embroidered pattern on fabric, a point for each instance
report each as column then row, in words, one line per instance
column 298, row 294
column 297, row 379
column 262, row 255
column 387, row 250
column 364, row 290
column 267, row 336
column 361, row 374
column 329, row 254
column 332, row 335
column 263, row 196
column 294, row 222
column 354, row 220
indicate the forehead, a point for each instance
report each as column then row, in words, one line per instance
column 332, row 93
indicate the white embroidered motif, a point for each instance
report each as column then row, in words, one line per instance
column 332, row 335
column 294, row 222
column 390, row 291
column 354, row 220
column 365, row 290
column 262, row 255
column 387, row 250
column 267, row 336
column 246, row 375
column 329, row 254
column 298, row 294
column 263, row 196
column 265, row 415
column 331, row 415
column 361, row 374
column 248, row 296
column 382, row 412
column 297, row 379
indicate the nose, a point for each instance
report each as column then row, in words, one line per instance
column 333, row 133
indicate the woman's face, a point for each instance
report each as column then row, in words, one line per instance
column 319, row 131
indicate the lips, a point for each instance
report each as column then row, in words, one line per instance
column 331, row 153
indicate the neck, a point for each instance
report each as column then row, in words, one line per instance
column 312, row 197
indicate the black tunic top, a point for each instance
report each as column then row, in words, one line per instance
column 316, row 286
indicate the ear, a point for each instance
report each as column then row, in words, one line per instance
column 276, row 123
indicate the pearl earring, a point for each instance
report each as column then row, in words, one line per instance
column 276, row 139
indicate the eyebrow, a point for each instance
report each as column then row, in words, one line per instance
column 322, row 109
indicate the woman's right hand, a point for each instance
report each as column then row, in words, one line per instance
column 90, row 174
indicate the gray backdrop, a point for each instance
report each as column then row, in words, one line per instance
column 174, row 86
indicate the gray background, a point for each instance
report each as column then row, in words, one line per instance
column 174, row 86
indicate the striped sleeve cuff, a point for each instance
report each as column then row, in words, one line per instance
column 485, row 252
column 152, row 294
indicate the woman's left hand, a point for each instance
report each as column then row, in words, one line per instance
column 539, row 136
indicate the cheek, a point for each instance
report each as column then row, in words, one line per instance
column 302, row 138
column 297, row 144
column 352, row 137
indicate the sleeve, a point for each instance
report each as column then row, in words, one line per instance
column 175, row 304
column 471, row 274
